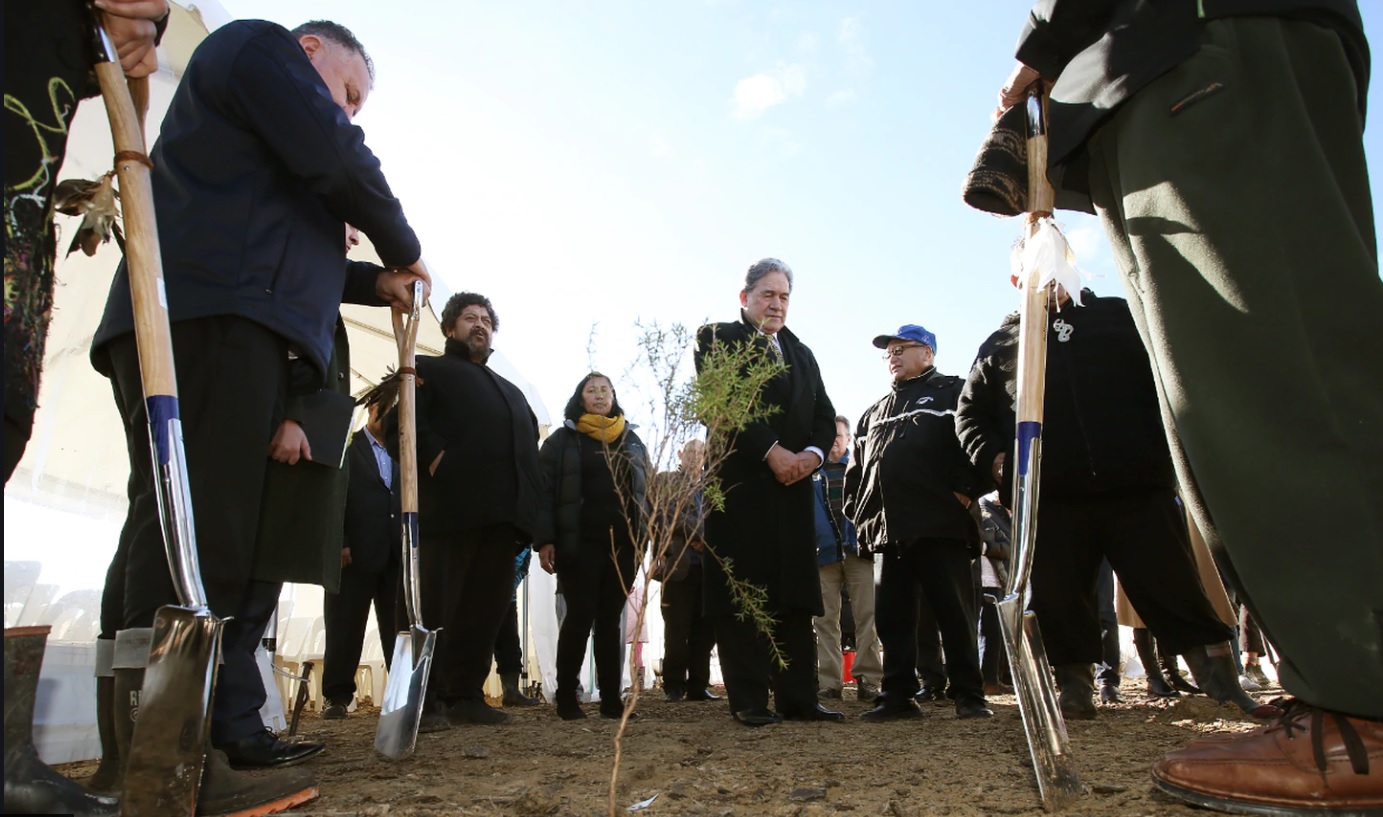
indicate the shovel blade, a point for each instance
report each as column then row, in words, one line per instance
column 404, row 694
column 168, row 749
column 1057, row 781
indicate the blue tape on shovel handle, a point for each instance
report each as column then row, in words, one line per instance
column 163, row 410
column 410, row 524
column 1028, row 433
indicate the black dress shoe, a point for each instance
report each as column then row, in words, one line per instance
column 816, row 713
column 675, row 694
column 973, row 709
column 704, row 695
column 930, row 694
column 760, row 716
column 889, row 711
column 263, row 750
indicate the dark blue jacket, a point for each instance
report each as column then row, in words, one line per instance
column 835, row 537
column 255, row 175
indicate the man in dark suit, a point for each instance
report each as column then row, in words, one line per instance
column 766, row 526
column 369, row 565
column 255, row 175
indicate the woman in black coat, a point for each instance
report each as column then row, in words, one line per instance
column 596, row 471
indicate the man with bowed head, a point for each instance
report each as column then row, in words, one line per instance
column 256, row 173
column 765, row 529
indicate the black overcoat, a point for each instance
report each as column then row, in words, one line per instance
column 766, row 530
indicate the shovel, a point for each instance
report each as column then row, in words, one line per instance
column 1057, row 781
column 169, row 744
column 412, row 663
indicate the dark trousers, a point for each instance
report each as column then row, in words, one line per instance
column 748, row 667
column 1108, row 670
column 232, row 376
column 508, row 645
column 689, row 636
column 467, row 581
column 931, row 664
column 346, row 614
column 940, row 569
column 595, row 585
column 993, row 654
column 1182, row 202
column 1250, row 637
column 1143, row 535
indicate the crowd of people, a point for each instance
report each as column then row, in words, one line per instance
column 1155, row 411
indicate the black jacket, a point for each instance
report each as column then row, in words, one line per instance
column 1102, row 427
column 255, row 175
column 907, row 466
column 561, row 510
column 766, row 528
column 490, row 474
column 1105, row 51
column 372, row 525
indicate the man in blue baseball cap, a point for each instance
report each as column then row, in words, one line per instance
column 908, row 490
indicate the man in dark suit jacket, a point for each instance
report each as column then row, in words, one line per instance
column 765, row 528
column 369, row 565
column 255, row 175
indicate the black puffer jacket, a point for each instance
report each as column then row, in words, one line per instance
column 908, row 465
column 1102, row 428
column 561, row 509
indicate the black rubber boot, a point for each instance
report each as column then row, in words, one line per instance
column 513, row 693
column 108, row 777
column 31, row 787
column 1076, row 683
column 1147, row 654
column 1212, row 665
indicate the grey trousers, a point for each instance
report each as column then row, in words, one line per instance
column 1235, row 193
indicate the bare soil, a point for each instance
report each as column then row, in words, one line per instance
column 698, row 761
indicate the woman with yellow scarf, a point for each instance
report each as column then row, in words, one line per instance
column 596, row 471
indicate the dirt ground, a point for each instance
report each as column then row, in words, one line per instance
column 698, row 761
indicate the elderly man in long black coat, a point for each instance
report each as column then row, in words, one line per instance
column 765, row 530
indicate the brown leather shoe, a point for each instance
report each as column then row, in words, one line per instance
column 1309, row 761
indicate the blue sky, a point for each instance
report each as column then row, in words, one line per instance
column 591, row 164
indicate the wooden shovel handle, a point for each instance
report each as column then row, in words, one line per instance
column 150, row 301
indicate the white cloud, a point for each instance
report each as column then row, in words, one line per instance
column 839, row 98
column 756, row 94
column 807, row 43
column 858, row 62
column 658, row 148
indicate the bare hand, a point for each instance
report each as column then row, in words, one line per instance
column 546, row 557
column 697, row 545
column 780, row 462
column 432, row 469
column 804, row 464
column 396, row 285
column 345, row 557
column 130, row 24
column 1015, row 87
column 289, row 444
